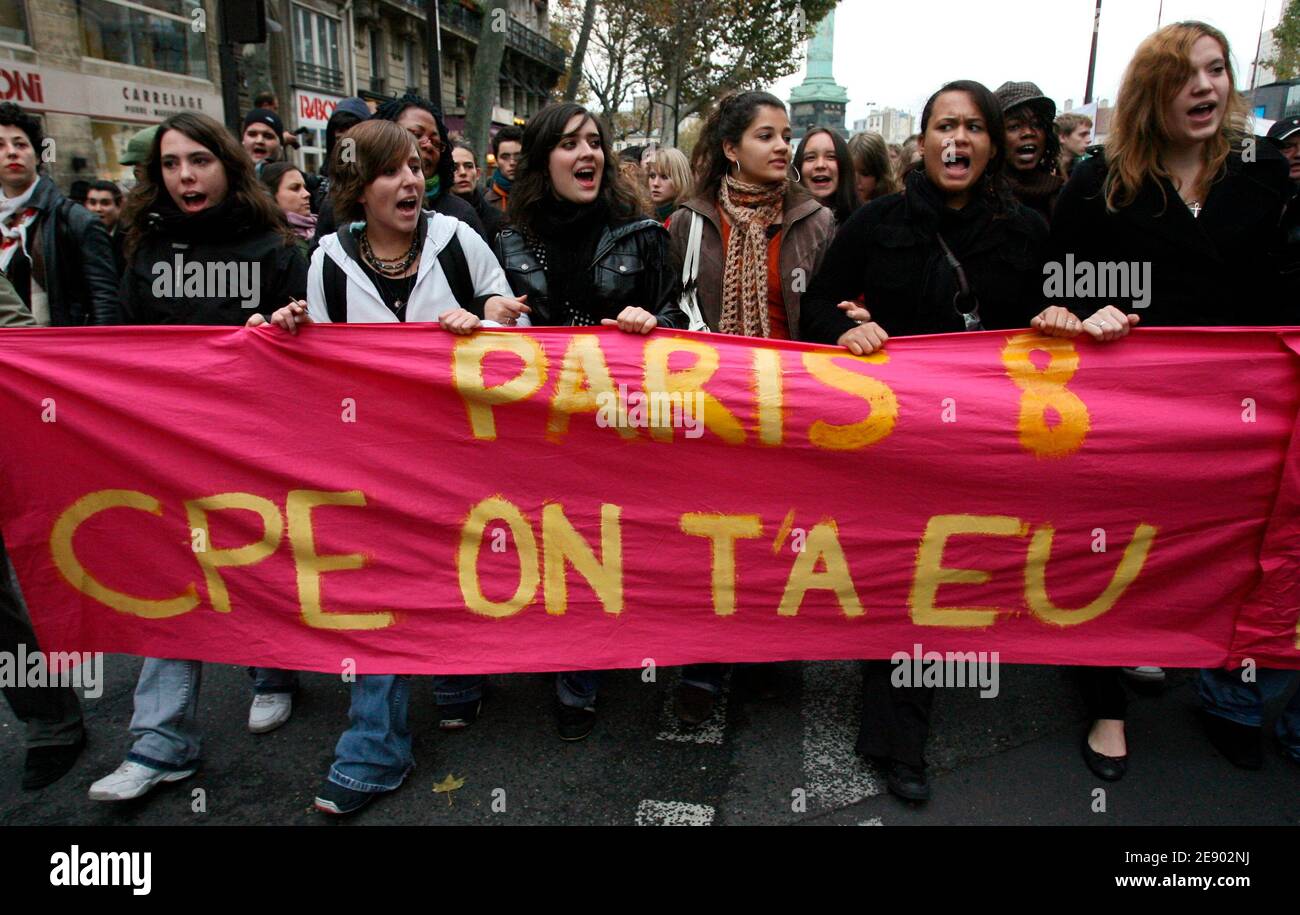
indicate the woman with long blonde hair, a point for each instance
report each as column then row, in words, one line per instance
column 874, row 170
column 671, row 182
column 1184, row 190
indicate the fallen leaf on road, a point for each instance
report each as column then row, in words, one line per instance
column 447, row 786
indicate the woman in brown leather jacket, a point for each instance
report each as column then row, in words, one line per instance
column 762, row 239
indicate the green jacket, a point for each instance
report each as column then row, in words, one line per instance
column 13, row 313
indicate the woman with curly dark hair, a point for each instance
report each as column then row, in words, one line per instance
column 1033, row 148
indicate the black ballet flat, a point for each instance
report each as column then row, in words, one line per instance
column 1107, row 768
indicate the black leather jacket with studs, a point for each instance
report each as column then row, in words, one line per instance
column 632, row 266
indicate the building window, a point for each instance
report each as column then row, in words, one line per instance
column 312, row 154
column 377, row 69
column 110, row 139
column 160, row 40
column 316, row 50
column 412, row 75
column 376, row 54
column 13, row 23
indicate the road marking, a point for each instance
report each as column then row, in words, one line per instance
column 673, row 813
column 873, row 821
column 710, row 732
column 832, row 709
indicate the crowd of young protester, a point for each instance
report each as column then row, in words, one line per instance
column 948, row 233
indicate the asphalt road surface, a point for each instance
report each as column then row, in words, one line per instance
column 1013, row 759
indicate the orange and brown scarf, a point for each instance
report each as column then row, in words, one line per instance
column 751, row 209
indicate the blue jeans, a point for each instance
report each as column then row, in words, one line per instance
column 577, row 687
column 1224, row 694
column 705, row 676
column 166, row 702
column 453, row 689
column 374, row 753
column 270, row 680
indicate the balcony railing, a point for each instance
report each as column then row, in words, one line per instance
column 455, row 16
column 526, row 41
column 459, row 18
column 324, row 77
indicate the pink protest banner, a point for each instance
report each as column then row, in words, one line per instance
column 417, row 502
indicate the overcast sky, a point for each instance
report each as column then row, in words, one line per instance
column 894, row 53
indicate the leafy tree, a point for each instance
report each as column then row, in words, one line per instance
column 609, row 71
column 1286, row 35
column 685, row 54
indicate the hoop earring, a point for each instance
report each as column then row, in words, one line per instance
column 737, row 164
column 798, row 176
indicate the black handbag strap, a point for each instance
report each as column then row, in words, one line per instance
column 964, row 294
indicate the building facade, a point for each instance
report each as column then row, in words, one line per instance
column 894, row 125
column 96, row 71
column 320, row 51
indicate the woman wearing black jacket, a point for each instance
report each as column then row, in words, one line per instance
column 577, row 243
column 1177, row 196
column 205, row 245
column 952, row 252
column 581, row 253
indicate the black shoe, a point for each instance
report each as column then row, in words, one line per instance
column 757, row 682
column 574, row 723
column 1240, row 743
column 1287, row 752
column 694, row 704
column 458, row 715
column 1107, row 768
column 339, row 801
column 46, row 765
column 908, row 782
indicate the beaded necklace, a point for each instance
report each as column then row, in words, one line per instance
column 393, row 268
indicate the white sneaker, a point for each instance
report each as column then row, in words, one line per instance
column 1146, row 674
column 132, row 780
column 269, row 711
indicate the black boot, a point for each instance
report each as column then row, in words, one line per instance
column 1241, row 744
column 46, row 765
column 908, row 782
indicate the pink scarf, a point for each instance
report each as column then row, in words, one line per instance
column 302, row 226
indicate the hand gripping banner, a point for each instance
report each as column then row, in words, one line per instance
column 409, row 501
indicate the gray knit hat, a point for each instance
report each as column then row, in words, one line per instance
column 1013, row 95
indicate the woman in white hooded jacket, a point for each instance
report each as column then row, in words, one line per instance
column 390, row 261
